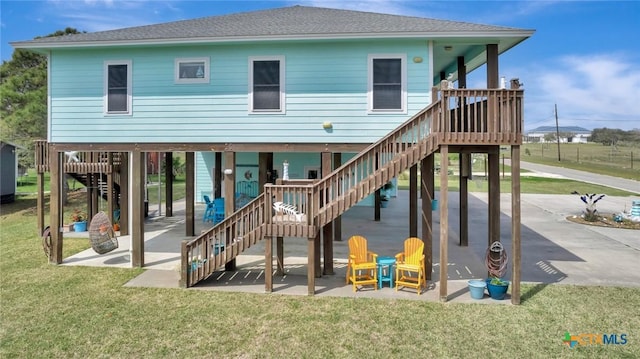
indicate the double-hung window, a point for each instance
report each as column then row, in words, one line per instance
column 266, row 84
column 387, row 83
column 192, row 70
column 117, row 93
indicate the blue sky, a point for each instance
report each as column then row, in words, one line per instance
column 584, row 56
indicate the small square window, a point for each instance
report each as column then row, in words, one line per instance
column 192, row 70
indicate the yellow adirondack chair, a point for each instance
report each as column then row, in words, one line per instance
column 410, row 267
column 361, row 266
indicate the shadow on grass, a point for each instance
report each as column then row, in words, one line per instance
column 27, row 203
column 21, row 203
column 531, row 290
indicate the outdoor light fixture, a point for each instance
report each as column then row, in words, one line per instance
column 228, row 171
column 417, row 59
column 448, row 48
column 327, row 125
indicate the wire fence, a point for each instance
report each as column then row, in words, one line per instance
column 625, row 157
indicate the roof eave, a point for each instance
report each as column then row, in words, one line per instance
column 479, row 60
column 510, row 33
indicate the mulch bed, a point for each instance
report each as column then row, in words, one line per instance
column 605, row 220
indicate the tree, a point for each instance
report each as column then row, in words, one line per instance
column 23, row 99
column 549, row 137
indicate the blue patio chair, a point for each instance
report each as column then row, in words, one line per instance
column 209, row 210
column 218, row 210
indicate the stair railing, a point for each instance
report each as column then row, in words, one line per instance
column 209, row 251
column 377, row 164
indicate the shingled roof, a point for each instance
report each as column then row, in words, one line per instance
column 281, row 23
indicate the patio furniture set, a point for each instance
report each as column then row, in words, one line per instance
column 365, row 267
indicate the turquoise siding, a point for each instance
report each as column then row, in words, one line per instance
column 325, row 81
column 204, row 163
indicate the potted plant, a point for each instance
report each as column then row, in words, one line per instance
column 79, row 219
column 497, row 287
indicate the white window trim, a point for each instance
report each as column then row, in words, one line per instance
column 129, row 86
column 204, row 80
column 403, row 86
column 283, row 92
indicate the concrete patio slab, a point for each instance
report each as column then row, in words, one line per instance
column 554, row 250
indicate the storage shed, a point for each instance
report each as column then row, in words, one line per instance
column 8, row 171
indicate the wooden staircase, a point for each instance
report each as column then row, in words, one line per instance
column 457, row 117
column 84, row 167
column 103, row 187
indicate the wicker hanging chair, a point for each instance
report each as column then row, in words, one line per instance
column 103, row 238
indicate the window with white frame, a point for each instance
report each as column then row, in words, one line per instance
column 266, row 84
column 117, row 84
column 387, row 83
column 192, row 70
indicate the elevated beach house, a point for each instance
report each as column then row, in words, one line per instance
column 311, row 107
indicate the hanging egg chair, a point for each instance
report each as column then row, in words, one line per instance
column 103, row 238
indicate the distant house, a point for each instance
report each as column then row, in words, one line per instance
column 8, row 171
column 568, row 134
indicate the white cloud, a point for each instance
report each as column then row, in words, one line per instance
column 100, row 15
column 593, row 91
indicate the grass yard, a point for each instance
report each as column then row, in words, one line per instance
column 52, row 311
column 620, row 161
column 528, row 185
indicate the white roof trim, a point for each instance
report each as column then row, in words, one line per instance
column 175, row 41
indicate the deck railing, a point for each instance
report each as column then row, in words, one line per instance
column 493, row 116
column 294, row 206
column 77, row 161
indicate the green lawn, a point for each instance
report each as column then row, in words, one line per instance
column 29, row 183
column 620, row 161
column 528, row 185
column 52, row 311
column 27, row 187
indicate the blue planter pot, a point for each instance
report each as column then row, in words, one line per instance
column 80, row 226
column 497, row 292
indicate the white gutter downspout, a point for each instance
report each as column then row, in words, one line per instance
column 49, row 127
column 431, row 67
